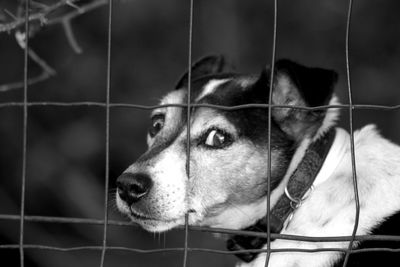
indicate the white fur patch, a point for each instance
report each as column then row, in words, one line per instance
column 331, row 117
column 334, row 157
column 246, row 82
column 233, row 217
column 210, row 88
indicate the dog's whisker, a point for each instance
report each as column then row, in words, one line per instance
column 164, row 239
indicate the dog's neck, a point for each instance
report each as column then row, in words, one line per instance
column 335, row 155
column 313, row 164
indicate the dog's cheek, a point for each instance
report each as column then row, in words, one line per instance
column 248, row 180
column 227, row 177
column 206, row 181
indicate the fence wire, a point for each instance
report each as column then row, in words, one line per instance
column 25, row 135
column 107, row 133
column 188, row 108
column 353, row 157
column 269, row 172
column 107, row 105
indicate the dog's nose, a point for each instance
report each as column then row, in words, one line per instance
column 133, row 186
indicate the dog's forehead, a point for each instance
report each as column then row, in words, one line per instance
column 221, row 86
column 174, row 97
column 224, row 90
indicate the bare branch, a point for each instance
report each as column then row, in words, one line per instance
column 47, row 10
column 41, row 16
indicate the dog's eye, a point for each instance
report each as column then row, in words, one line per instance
column 157, row 123
column 217, row 139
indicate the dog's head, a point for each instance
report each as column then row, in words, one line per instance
column 223, row 182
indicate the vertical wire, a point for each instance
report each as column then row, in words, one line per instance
column 271, row 83
column 353, row 161
column 24, row 138
column 190, row 43
column 107, row 148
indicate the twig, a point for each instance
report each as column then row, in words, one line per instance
column 38, row 4
column 46, row 68
column 18, row 85
column 10, row 14
column 47, row 71
column 71, row 4
column 71, row 36
column 83, row 9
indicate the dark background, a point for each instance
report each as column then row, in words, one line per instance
column 66, row 145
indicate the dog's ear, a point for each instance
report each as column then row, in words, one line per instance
column 205, row 66
column 314, row 85
column 298, row 85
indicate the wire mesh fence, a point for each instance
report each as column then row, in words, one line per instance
column 104, row 247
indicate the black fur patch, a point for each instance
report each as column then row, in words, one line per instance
column 198, row 85
column 314, row 84
column 204, row 66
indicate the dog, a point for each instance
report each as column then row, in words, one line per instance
column 223, row 183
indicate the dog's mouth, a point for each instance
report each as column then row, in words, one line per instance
column 155, row 224
column 147, row 221
column 140, row 216
column 152, row 224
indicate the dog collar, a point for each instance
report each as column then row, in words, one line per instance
column 317, row 164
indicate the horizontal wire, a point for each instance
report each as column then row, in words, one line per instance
column 71, row 220
column 192, row 249
column 145, row 107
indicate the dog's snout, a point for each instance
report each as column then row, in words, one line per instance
column 133, row 186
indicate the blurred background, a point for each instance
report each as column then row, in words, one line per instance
column 66, row 145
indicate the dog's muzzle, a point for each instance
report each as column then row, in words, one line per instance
column 132, row 188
